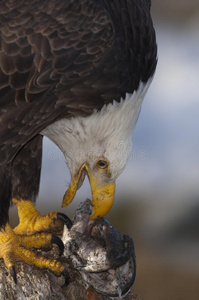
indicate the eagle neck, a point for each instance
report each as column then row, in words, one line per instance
column 101, row 134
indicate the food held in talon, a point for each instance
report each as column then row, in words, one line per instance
column 104, row 258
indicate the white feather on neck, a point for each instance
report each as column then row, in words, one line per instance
column 105, row 133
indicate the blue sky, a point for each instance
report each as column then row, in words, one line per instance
column 168, row 127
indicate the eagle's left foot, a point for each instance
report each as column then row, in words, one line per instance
column 31, row 221
column 33, row 231
column 14, row 247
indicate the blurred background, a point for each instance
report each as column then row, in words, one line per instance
column 157, row 196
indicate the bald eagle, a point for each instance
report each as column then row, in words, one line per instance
column 75, row 71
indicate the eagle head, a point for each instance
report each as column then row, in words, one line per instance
column 98, row 146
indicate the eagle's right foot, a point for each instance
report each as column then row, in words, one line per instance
column 14, row 247
column 31, row 221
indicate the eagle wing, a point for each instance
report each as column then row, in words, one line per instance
column 65, row 58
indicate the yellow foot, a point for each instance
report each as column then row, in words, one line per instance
column 14, row 247
column 31, row 221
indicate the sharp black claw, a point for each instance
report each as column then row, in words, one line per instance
column 13, row 273
column 67, row 278
column 65, row 219
column 56, row 240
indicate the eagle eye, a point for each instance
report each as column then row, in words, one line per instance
column 102, row 164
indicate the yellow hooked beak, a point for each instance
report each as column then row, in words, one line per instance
column 102, row 196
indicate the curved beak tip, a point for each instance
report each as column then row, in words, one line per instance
column 102, row 201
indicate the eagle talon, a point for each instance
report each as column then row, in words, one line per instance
column 56, row 240
column 31, row 221
column 67, row 277
column 65, row 219
column 13, row 273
